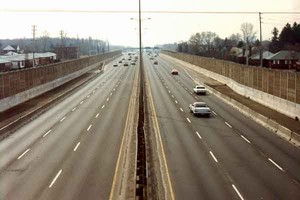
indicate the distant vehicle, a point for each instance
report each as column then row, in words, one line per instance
column 155, row 63
column 133, row 63
column 200, row 89
column 174, row 72
column 115, row 65
column 129, row 58
column 125, row 64
column 123, row 58
column 120, row 61
column 200, row 108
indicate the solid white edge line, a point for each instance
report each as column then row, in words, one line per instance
column 53, row 181
column 188, row 120
column 23, row 154
column 62, row 119
column 97, row 115
column 181, row 109
column 274, row 163
column 73, row 109
column 246, row 139
column 76, row 146
column 103, row 106
column 88, row 129
column 47, row 133
column 236, row 190
column 212, row 155
column 198, row 135
column 214, row 113
column 228, row 124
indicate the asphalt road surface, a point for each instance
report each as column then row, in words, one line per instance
column 226, row 156
column 70, row 152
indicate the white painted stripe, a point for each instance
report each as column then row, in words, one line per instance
column 236, row 190
column 169, row 91
column 214, row 113
column 199, row 135
column 73, row 109
column 212, row 155
column 196, row 98
column 76, row 146
column 167, row 87
column 81, row 102
column 188, row 120
column 274, row 163
column 246, row 139
column 181, row 109
column 228, row 124
column 97, row 115
column 93, row 91
column 185, row 88
column 63, row 119
column 53, row 181
column 47, row 133
column 114, row 89
column 111, row 93
column 88, row 129
column 107, row 99
column 172, row 96
column 88, row 96
column 176, row 101
column 103, row 106
column 23, row 154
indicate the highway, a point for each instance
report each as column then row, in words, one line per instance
column 226, row 156
column 71, row 151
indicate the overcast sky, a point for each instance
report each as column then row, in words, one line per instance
column 119, row 29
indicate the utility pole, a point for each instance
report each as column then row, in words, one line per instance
column 61, row 43
column 140, row 35
column 260, row 38
column 33, row 44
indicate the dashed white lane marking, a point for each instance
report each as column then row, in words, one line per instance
column 196, row 98
column 172, row 96
column 97, row 115
column 107, row 99
column 228, row 124
column 81, row 102
column 114, row 89
column 23, row 154
column 199, row 135
column 111, row 93
column 274, row 163
column 245, row 139
column 76, row 146
column 55, row 178
column 188, row 120
column 62, row 119
column 47, row 133
column 88, row 129
column 236, row 190
column 185, row 88
column 167, row 87
column 212, row 155
column 214, row 113
column 176, row 101
column 88, row 96
column 169, row 91
column 181, row 109
column 103, row 106
column 93, row 91
column 73, row 109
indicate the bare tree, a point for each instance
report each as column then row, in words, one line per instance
column 249, row 36
column 45, row 40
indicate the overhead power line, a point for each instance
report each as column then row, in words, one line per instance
column 145, row 11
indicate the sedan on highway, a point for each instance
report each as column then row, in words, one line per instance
column 174, row 72
column 115, row 65
column 200, row 89
column 200, row 108
column 125, row 64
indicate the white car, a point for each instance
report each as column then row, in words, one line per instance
column 199, row 108
column 199, row 89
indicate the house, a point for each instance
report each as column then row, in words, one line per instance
column 283, row 60
column 19, row 61
column 11, row 48
column 255, row 59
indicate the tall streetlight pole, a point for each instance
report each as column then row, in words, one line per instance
column 140, row 35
